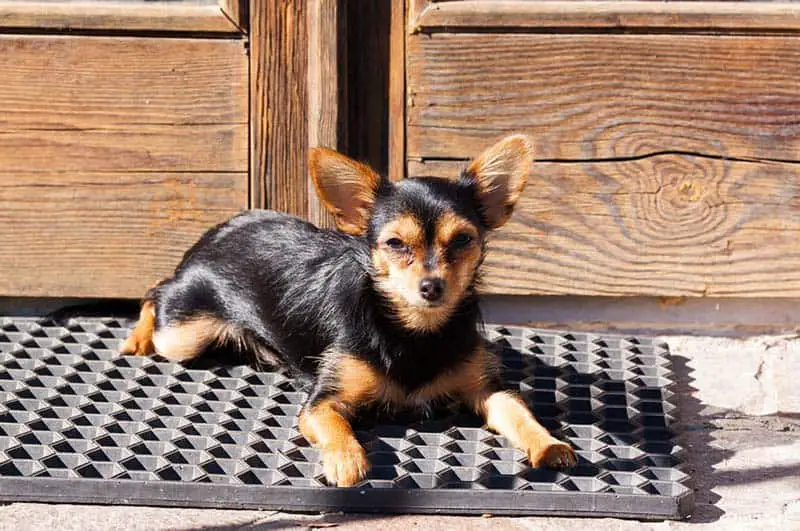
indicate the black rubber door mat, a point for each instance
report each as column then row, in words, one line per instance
column 80, row 423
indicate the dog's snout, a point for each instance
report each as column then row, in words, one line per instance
column 431, row 289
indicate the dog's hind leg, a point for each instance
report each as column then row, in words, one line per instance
column 186, row 339
column 140, row 342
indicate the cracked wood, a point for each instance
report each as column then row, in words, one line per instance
column 666, row 225
column 668, row 163
column 588, row 97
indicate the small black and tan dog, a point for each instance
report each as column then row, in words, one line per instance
column 382, row 312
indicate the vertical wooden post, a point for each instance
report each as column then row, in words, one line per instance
column 397, row 91
column 294, row 87
column 319, row 77
column 278, row 105
column 323, row 90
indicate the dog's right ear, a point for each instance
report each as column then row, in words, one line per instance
column 347, row 188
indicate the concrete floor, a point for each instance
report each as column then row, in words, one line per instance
column 740, row 408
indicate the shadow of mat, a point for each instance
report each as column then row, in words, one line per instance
column 696, row 437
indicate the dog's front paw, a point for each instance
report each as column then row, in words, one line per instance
column 556, row 454
column 344, row 467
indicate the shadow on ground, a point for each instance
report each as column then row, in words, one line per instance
column 696, row 437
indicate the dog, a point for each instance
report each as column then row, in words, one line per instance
column 381, row 312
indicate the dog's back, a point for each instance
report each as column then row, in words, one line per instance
column 273, row 279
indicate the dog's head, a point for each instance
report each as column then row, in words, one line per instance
column 426, row 234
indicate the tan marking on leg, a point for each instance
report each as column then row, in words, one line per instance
column 359, row 384
column 507, row 414
column 343, row 459
column 504, row 411
column 140, row 341
column 184, row 340
column 356, row 384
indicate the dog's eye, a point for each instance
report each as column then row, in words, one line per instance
column 396, row 244
column 461, row 240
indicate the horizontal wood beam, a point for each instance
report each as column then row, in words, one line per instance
column 629, row 14
column 196, row 17
column 596, row 97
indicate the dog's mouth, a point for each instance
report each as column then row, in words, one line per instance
column 430, row 305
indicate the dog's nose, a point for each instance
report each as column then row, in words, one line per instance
column 431, row 289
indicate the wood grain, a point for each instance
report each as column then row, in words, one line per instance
column 614, row 15
column 101, row 104
column 323, row 91
column 116, row 154
column 97, row 234
column 665, row 225
column 397, row 91
column 238, row 12
column 201, row 17
column 589, row 97
column 278, row 105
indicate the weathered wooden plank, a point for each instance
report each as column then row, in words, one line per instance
column 667, row 225
column 626, row 14
column 278, row 105
column 587, row 97
column 196, row 16
column 100, row 104
column 323, row 91
column 82, row 234
column 116, row 154
column 397, row 91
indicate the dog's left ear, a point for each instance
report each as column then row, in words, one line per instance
column 346, row 188
column 499, row 175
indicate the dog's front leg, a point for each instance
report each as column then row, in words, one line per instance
column 343, row 458
column 506, row 413
column 345, row 383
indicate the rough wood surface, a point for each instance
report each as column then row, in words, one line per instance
column 616, row 15
column 278, row 105
column 323, row 91
column 664, row 225
column 204, row 16
column 81, row 234
column 588, row 97
column 397, row 91
column 238, row 12
column 127, row 104
column 116, row 154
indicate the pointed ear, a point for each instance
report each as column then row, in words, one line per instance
column 346, row 188
column 499, row 175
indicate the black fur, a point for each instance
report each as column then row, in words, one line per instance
column 304, row 292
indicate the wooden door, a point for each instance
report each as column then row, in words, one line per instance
column 667, row 135
column 124, row 136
